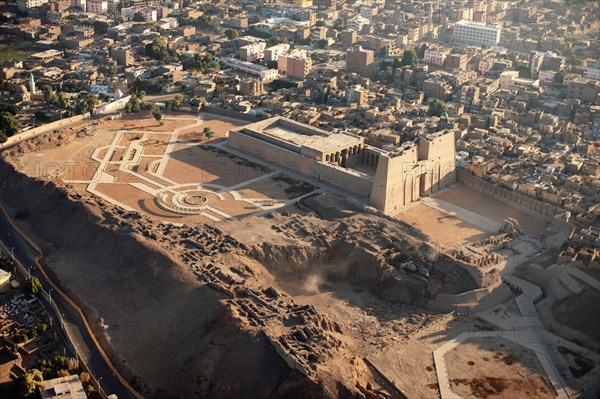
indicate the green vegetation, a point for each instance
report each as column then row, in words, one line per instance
column 409, row 57
column 199, row 62
column 9, row 126
column 232, row 34
column 32, row 285
column 437, row 108
column 10, row 108
column 280, row 84
column 208, row 133
column 157, row 114
column 134, row 104
column 159, row 51
column 175, row 103
column 29, row 382
column 100, row 27
column 257, row 32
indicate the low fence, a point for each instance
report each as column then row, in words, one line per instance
column 230, row 113
column 26, row 135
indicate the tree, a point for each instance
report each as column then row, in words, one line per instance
column 9, row 125
column 437, row 108
column 33, row 285
column 559, row 76
column 232, row 34
column 208, row 133
column 10, row 108
column 138, row 17
column 30, row 381
column 139, row 85
column 410, row 58
column 177, row 101
column 320, row 23
column 157, row 50
column 91, row 101
column 50, row 97
column 157, row 114
column 101, row 27
column 133, row 105
column 64, row 101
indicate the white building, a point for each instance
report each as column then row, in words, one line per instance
column 434, row 56
column 262, row 72
column 273, row 53
column 25, row 5
column 63, row 387
column 476, row 33
column 252, row 52
column 510, row 80
column 357, row 23
column 592, row 72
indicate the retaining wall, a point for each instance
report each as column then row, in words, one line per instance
column 529, row 205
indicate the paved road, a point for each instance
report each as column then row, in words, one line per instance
column 79, row 334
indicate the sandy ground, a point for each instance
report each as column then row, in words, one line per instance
column 580, row 312
column 188, row 163
column 442, row 228
column 496, row 368
column 70, row 161
column 468, row 198
column 279, row 187
column 410, row 362
column 202, row 164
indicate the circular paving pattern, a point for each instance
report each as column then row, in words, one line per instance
column 188, row 203
column 195, row 199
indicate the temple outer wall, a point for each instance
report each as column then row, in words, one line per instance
column 301, row 165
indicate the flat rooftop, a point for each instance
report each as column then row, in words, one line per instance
column 302, row 135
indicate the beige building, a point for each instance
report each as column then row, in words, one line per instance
column 296, row 65
column 389, row 179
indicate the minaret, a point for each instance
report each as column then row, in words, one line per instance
column 31, row 84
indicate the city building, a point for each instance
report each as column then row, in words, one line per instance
column 435, row 56
column 585, row 89
column 592, row 72
column 348, row 38
column 251, row 87
column 98, row 7
column 456, row 61
column 357, row 23
column 262, row 72
column 476, row 33
column 69, row 387
column 295, row 65
column 26, row 5
column 272, row 53
column 360, row 61
column 252, row 52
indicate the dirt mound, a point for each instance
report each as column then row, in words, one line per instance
column 580, row 312
column 165, row 329
column 368, row 250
